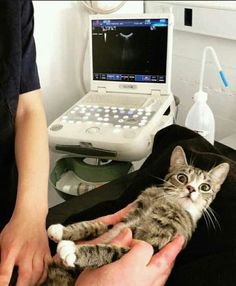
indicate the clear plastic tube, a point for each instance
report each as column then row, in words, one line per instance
column 222, row 75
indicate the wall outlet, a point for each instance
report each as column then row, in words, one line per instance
column 188, row 17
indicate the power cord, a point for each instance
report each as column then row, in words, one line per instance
column 89, row 5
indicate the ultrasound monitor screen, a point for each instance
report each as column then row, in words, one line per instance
column 133, row 50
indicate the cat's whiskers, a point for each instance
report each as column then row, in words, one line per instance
column 192, row 159
column 163, row 180
column 206, row 220
column 208, row 212
column 172, row 190
column 212, row 212
column 173, row 196
column 166, row 195
column 210, row 218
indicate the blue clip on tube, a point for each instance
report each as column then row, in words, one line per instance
column 222, row 75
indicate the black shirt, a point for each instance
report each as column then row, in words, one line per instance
column 18, row 74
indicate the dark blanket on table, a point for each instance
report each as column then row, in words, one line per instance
column 210, row 257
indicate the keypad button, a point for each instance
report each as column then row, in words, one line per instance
column 112, row 116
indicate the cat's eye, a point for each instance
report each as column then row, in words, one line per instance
column 182, row 178
column 205, row 187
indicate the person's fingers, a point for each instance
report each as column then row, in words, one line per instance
column 164, row 259
column 124, row 238
column 47, row 261
column 141, row 252
column 109, row 220
column 98, row 240
column 38, row 269
column 56, row 258
column 6, row 269
column 161, row 278
column 116, row 217
column 162, row 262
column 24, row 274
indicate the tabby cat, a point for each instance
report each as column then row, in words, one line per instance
column 157, row 216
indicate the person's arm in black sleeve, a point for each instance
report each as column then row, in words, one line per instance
column 29, row 71
column 24, row 240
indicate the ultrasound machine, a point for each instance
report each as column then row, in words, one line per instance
column 130, row 96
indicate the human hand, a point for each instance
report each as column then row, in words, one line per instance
column 138, row 267
column 24, row 243
column 116, row 217
column 111, row 219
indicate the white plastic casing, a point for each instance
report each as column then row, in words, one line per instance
column 128, row 145
column 132, row 87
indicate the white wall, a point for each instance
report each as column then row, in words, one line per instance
column 187, row 53
column 60, row 35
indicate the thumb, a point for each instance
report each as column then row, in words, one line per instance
column 141, row 253
column 124, row 238
column 166, row 256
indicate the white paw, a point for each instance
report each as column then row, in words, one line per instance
column 66, row 251
column 55, row 232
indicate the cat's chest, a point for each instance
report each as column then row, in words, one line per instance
column 160, row 208
column 155, row 209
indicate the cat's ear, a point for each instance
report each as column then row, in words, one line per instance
column 178, row 158
column 220, row 172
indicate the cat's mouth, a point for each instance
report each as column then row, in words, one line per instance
column 187, row 198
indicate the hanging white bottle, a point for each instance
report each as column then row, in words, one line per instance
column 200, row 117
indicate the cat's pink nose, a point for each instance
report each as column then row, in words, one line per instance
column 190, row 189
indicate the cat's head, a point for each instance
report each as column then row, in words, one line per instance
column 192, row 187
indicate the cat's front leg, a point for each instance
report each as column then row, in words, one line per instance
column 76, row 231
column 88, row 256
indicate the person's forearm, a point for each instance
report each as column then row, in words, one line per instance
column 31, row 149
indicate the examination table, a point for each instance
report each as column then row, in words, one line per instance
column 210, row 257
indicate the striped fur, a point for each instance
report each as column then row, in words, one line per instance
column 84, row 230
column 158, row 215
